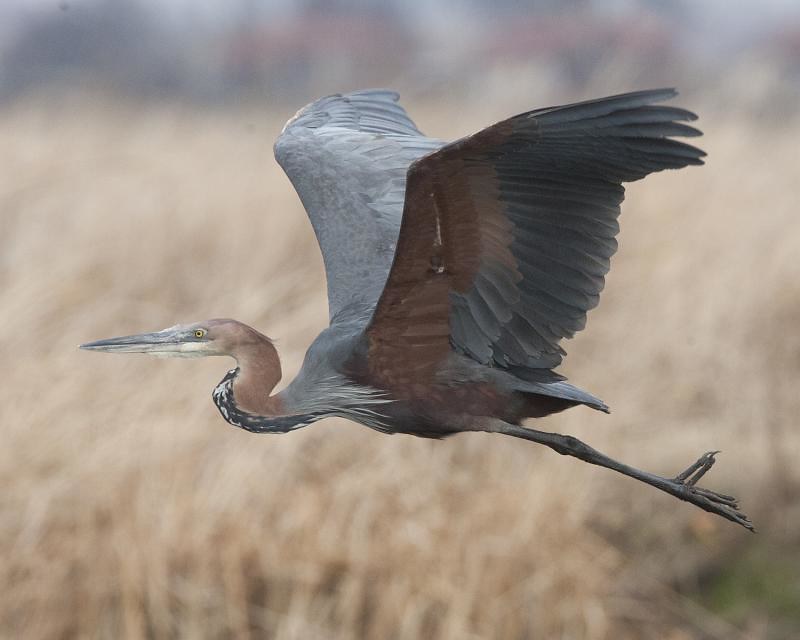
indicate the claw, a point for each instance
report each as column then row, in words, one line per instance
column 719, row 503
column 717, row 497
column 697, row 470
column 708, row 461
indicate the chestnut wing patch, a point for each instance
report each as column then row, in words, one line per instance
column 507, row 235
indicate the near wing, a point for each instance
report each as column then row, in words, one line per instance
column 507, row 234
column 347, row 157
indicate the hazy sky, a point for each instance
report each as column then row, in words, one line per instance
column 714, row 25
column 745, row 13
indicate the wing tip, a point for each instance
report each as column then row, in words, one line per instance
column 601, row 406
column 394, row 96
column 658, row 94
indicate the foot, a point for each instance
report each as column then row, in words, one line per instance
column 719, row 503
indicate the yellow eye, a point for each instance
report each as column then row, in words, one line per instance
column 199, row 333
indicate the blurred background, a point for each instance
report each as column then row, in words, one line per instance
column 138, row 189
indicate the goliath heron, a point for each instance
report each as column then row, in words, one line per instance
column 454, row 270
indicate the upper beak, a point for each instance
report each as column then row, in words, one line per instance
column 166, row 341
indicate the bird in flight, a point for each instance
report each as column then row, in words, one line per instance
column 454, row 271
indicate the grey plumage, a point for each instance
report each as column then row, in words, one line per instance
column 347, row 157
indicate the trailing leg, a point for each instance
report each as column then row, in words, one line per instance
column 682, row 486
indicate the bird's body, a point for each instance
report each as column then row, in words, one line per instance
column 454, row 270
column 337, row 370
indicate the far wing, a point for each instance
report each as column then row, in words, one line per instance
column 347, row 157
column 507, row 234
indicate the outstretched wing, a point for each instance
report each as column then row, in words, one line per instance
column 507, row 234
column 347, row 157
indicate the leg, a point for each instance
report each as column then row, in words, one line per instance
column 682, row 486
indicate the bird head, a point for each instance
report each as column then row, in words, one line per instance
column 217, row 337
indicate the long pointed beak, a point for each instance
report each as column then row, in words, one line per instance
column 166, row 342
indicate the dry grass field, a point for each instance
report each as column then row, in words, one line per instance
column 129, row 509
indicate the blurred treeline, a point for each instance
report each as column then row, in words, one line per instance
column 284, row 50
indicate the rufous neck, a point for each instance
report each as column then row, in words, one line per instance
column 259, row 374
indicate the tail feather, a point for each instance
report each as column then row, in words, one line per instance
column 563, row 390
column 567, row 391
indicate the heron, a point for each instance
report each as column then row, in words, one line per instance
column 454, row 272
